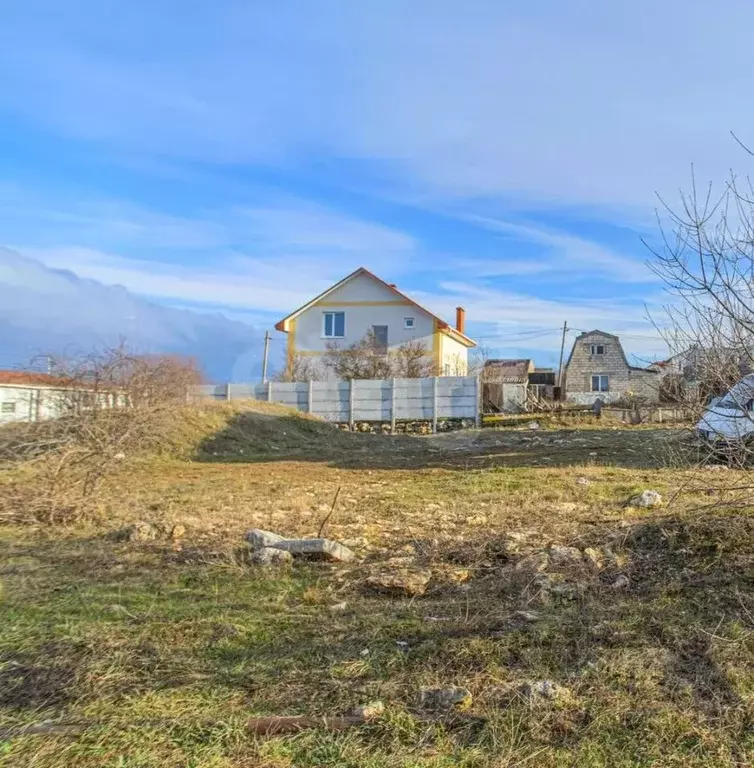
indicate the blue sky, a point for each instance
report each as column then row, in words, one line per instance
column 242, row 156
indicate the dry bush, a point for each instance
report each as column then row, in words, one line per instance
column 111, row 406
column 300, row 368
column 411, row 361
column 369, row 359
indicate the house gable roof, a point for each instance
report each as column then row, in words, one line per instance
column 282, row 325
column 597, row 332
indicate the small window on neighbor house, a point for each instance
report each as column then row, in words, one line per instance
column 598, row 349
column 334, row 325
column 600, row 384
column 408, row 322
column 9, row 408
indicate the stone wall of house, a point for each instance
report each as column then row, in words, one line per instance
column 582, row 365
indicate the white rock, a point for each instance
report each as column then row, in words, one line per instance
column 259, row 538
column 621, row 582
column 560, row 556
column 645, row 499
column 370, row 711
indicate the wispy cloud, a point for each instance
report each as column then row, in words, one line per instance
column 567, row 254
column 543, row 101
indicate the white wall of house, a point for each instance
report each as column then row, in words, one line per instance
column 454, row 357
column 309, row 332
column 19, row 402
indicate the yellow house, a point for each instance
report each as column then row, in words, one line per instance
column 360, row 303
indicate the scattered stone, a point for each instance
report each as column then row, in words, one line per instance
column 402, row 646
column 317, row 549
column 645, row 499
column 563, row 556
column 370, row 711
column 536, row 563
column 621, row 582
column 530, row 616
column 178, row 531
column 119, row 456
column 594, row 558
column 258, row 538
column 514, row 543
column 533, row 425
column 583, row 481
column 338, row 607
column 269, row 556
column 407, row 582
column 140, row 531
column 444, row 699
column 543, row 689
column 364, row 652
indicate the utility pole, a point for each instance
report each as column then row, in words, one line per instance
column 264, row 358
column 560, row 366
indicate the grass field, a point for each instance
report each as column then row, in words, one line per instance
column 157, row 653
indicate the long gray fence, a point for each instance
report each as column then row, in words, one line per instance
column 430, row 399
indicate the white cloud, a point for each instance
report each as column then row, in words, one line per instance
column 549, row 102
column 566, row 255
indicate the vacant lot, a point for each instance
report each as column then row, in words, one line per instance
column 157, row 653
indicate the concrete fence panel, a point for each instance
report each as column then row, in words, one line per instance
column 384, row 400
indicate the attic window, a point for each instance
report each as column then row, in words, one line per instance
column 597, row 349
column 408, row 323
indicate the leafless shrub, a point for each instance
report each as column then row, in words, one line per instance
column 369, row 359
column 300, row 368
column 110, row 406
column 412, row 361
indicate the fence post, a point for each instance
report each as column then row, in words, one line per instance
column 269, row 391
column 310, row 396
column 350, row 405
column 392, row 406
column 434, row 404
column 478, row 402
column 227, row 391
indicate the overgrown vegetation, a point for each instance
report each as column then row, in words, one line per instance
column 111, row 407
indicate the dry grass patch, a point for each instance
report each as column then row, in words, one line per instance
column 165, row 647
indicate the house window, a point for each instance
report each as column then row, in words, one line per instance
column 600, row 383
column 334, row 325
column 379, row 337
column 408, row 323
column 598, row 349
column 9, row 408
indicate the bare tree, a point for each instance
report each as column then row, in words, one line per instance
column 412, row 360
column 365, row 359
column 370, row 359
column 300, row 368
column 707, row 265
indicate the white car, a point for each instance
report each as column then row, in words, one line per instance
column 730, row 419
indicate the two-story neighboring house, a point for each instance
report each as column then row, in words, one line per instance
column 598, row 368
column 361, row 303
